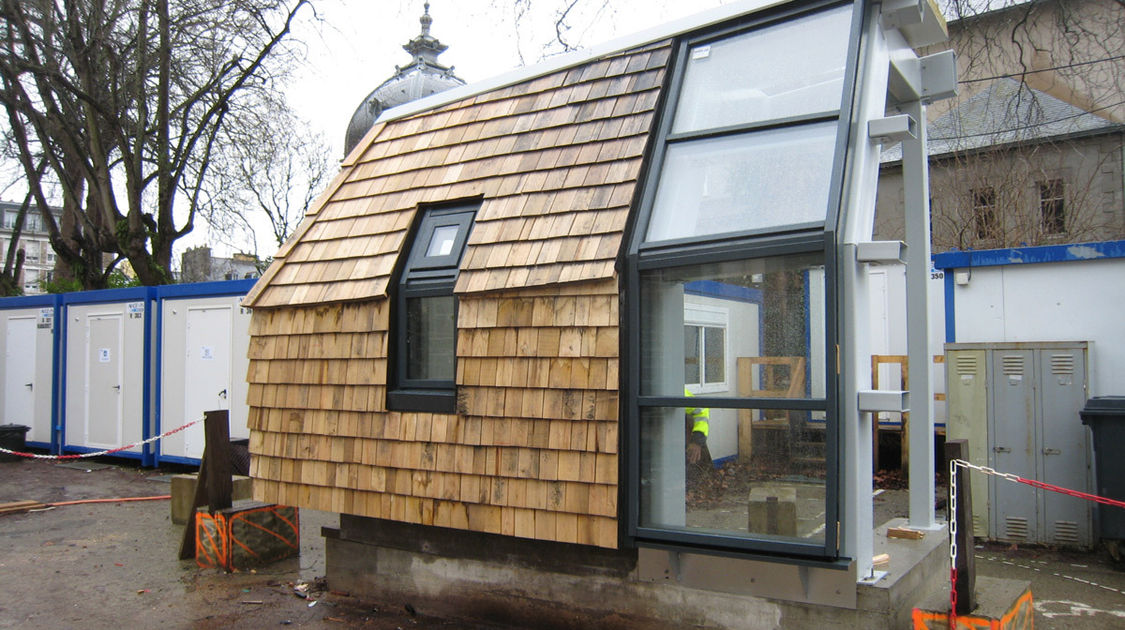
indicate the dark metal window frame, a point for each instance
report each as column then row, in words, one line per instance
column 426, row 276
column 815, row 237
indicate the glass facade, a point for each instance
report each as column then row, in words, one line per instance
column 772, row 348
column 733, row 429
column 745, row 182
column 790, row 69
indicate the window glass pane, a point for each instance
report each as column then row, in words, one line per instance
column 749, row 181
column 714, row 354
column 430, row 330
column 780, row 71
column 441, row 243
column 691, row 355
column 774, row 492
column 774, row 339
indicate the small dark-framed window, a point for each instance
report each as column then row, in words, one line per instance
column 424, row 318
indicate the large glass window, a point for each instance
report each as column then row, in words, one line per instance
column 744, row 182
column 426, row 313
column 775, row 337
column 732, row 423
column 755, row 76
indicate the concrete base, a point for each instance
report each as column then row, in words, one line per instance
column 550, row 585
column 183, row 494
column 1001, row 604
column 917, row 570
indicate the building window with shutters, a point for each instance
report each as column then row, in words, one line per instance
column 424, row 312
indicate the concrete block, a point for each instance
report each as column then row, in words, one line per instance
column 773, row 510
column 247, row 534
column 183, row 493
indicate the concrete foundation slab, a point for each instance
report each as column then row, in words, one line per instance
column 526, row 583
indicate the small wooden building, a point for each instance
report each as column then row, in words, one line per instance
column 487, row 330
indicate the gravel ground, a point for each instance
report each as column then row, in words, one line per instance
column 114, row 565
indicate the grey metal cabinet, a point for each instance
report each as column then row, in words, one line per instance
column 1031, row 427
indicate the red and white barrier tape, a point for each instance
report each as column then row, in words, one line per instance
column 953, row 464
column 100, row 453
column 1039, row 484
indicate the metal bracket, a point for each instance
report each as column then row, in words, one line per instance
column 927, row 79
column 892, row 128
column 919, row 21
column 881, row 252
column 880, row 400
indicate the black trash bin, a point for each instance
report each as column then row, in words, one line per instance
column 1105, row 415
column 14, row 438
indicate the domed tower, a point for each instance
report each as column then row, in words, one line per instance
column 422, row 77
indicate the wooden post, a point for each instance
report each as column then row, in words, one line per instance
column 214, row 484
column 966, row 560
column 220, row 486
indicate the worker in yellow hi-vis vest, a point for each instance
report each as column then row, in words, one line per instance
column 697, row 424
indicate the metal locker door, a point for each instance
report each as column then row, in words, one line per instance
column 1012, row 426
column 967, row 395
column 1064, row 459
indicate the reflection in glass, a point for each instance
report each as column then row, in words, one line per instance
column 691, row 355
column 776, row 492
column 430, row 327
column 750, row 181
column 442, row 240
column 773, row 343
column 786, row 70
column 714, row 355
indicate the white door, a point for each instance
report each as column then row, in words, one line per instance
column 207, row 370
column 19, row 370
column 104, row 381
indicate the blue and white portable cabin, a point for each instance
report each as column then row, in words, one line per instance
column 203, row 334
column 107, row 384
column 30, row 369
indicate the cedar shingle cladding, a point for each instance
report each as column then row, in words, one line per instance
column 532, row 449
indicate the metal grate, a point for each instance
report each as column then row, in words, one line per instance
column 1062, row 364
column 966, row 365
column 1066, row 532
column 1013, row 365
column 1015, row 527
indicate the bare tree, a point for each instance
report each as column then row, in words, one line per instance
column 1024, row 195
column 124, row 100
column 1033, row 139
column 269, row 169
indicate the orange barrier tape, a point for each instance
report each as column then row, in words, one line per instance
column 1019, row 617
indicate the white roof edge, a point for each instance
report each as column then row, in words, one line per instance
column 663, row 31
